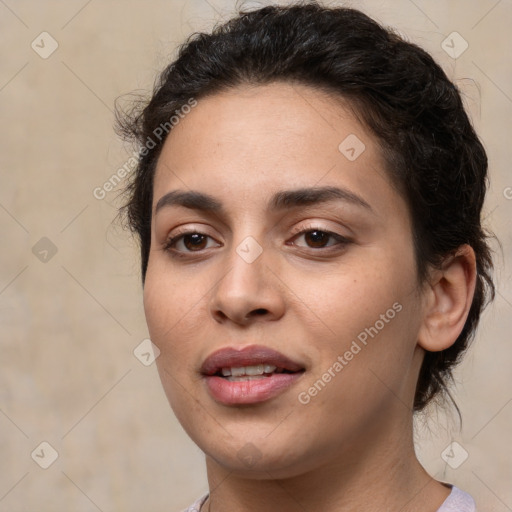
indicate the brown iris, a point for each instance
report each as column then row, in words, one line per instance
column 196, row 241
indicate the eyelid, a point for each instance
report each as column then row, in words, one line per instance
column 316, row 226
column 189, row 229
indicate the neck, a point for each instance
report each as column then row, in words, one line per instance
column 365, row 476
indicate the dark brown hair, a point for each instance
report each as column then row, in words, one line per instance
column 395, row 88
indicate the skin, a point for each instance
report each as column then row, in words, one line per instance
column 351, row 447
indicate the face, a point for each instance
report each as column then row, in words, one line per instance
column 281, row 288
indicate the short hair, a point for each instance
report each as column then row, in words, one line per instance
column 395, row 88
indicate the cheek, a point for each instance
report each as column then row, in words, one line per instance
column 347, row 302
column 368, row 315
column 171, row 311
column 171, row 315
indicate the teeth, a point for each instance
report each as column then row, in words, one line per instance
column 237, row 372
column 245, row 378
column 248, row 371
column 254, row 370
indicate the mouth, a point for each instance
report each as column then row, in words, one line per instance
column 250, row 375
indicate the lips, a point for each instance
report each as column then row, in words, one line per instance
column 249, row 375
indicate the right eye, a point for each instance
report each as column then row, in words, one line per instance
column 187, row 242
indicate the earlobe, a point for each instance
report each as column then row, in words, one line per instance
column 448, row 300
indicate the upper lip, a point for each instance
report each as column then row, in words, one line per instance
column 230, row 357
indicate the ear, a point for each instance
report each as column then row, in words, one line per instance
column 448, row 298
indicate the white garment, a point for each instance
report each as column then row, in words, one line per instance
column 196, row 507
column 457, row 501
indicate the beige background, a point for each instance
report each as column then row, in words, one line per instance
column 69, row 325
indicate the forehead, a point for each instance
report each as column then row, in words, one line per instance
column 252, row 140
column 273, row 115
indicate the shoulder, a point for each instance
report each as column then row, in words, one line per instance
column 458, row 501
column 196, row 506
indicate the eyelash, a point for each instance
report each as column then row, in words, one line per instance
column 171, row 242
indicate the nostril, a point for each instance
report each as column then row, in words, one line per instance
column 260, row 311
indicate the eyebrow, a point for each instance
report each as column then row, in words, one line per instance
column 279, row 201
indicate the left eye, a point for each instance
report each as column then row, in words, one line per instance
column 318, row 239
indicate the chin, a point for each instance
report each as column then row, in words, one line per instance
column 250, row 461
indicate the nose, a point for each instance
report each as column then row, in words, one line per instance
column 247, row 292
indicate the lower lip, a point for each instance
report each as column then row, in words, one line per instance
column 250, row 391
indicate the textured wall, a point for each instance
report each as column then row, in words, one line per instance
column 70, row 298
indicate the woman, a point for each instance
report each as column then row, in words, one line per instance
column 308, row 200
